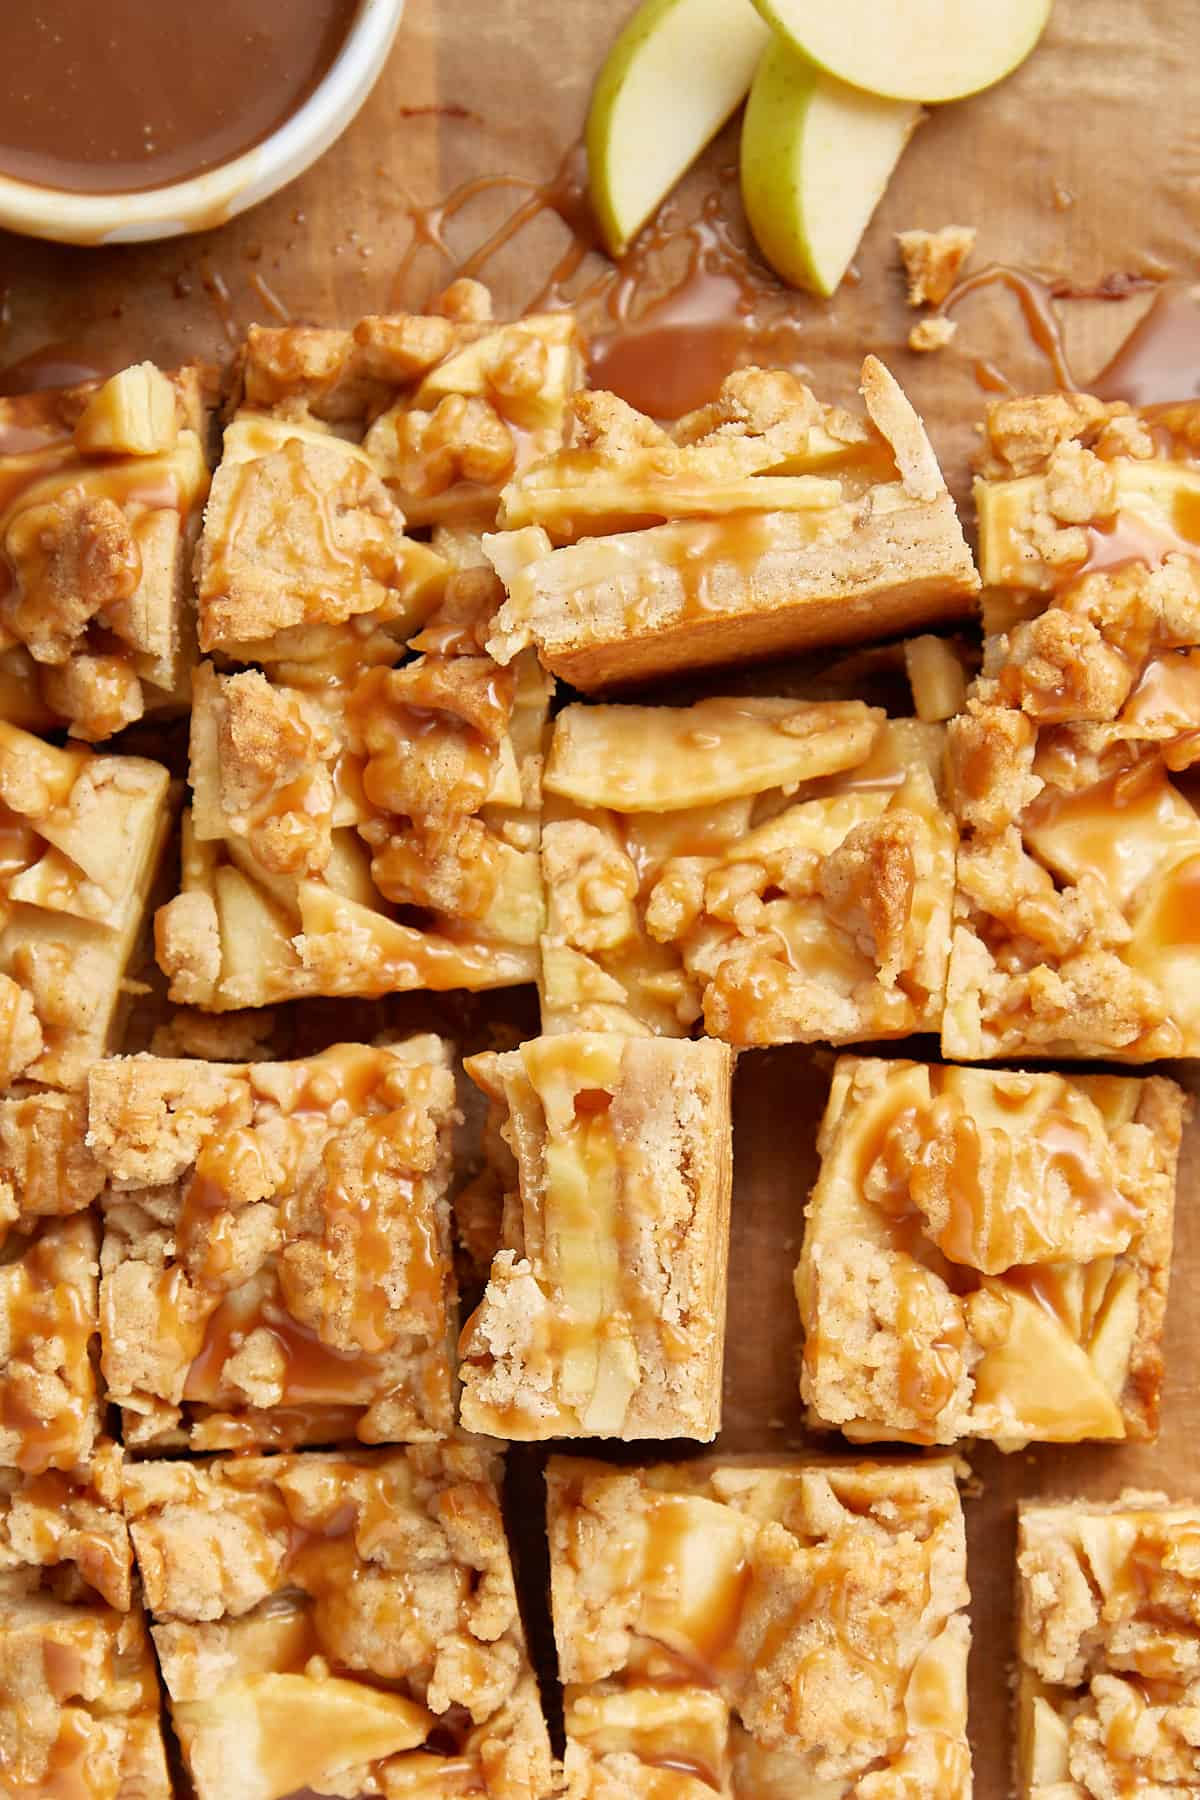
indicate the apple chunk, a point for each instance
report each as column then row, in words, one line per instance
column 673, row 77
column 924, row 50
column 816, row 157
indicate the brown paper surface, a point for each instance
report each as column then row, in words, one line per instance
column 1082, row 167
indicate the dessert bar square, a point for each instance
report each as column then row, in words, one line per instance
column 80, row 839
column 1108, row 1641
column 986, row 1253
column 79, row 1697
column 777, row 869
column 761, row 1629
column 49, row 1269
column 101, row 491
column 361, row 837
column 338, row 440
column 604, row 1315
column 1071, row 768
column 276, row 1261
column 1076, row 902
column 340, row 1623
column 762, row 524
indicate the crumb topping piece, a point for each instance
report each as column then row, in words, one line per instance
column 276, row 1251
column 604, row 1312
column 345, row 1622
column 777, row 869
column 761, row 1628
column 1108, row 1685
column 764, row 521
column 932, row 261
column 103, row 487
column 987, row 1254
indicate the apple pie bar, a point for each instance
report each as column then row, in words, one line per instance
column 761, row 1630
column 338, row 441
column 79, row 1697
column 344, row 1623
column 276, row 1261
column 779, row 870
column 101, row 491
column 986, row 1254
column 1080, row 868
column 604, row 1315
column 363, row 835
column 764, row 523
column 1108, row 1677
column 80, row 838
column 49, row 1268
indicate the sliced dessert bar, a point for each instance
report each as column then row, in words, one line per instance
column 780, row 870
column 761, row 1629
column 763, row 523
column 341, row 438
column 987, row 1254
column 1108, row 1677
column 1080, row 868
column 79, row 1696
column 276, row 1264
column 604, row 1315
column 101, row 491
column 340, row 1623
column 80, row 839
column 364, row 834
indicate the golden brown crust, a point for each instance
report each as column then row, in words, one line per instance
column 604, row 1314
column 706, row 554
column 932, row 261
column 104, row 487
column 276, row 1256
column 341, row 1620
column 782, row 870
column 987, row 1254
column 1108, row 1680
column 692, row 1615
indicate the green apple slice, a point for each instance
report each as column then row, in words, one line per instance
column 923, row 50
column 675, row 74
column 816, row 157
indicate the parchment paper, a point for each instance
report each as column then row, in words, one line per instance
column 1082, row 166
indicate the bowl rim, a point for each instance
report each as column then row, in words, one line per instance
column 198, row 202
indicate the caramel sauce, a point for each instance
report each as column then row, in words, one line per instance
column 1129, row 538
column 711, row 1649
column 927, row 1371
column 41, row 1305
column 685, row 305
column 123, row 97
column 1160, row 359
column 1036, row 301
column 1177, row 909
column 1167, row 693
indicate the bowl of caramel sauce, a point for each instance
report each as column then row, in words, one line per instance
column 123, row 120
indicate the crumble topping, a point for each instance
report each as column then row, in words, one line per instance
column 1108, row 1691
column 276, row 1249
column 604, row 1312
column 762, row 522
column 987, row 1254
column 780, row 870
column 341, row 1621
column 933, row 260
column 696, row 1633
column 80, row 837
column 103, row 489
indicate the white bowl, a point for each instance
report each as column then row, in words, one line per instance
column 210, row 199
